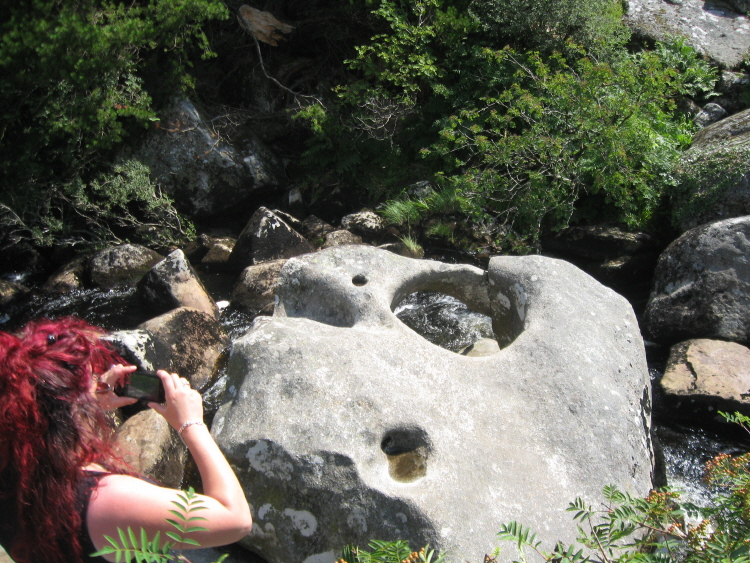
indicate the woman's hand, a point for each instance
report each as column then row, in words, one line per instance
column 103, row 387
column 183, row 403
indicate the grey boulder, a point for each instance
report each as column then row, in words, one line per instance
column 121, row 265
column 714, row 174
column 203, row 171
column 702, row 285
column 720, row 32
column 344, row 425
column 173, row 283
column 267, row 236
column 195, row 344
column 149, row 445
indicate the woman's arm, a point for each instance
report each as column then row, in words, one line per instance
column 125, row 502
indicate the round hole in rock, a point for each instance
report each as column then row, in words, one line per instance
column 407, row 451
column 448, row 323
column 359, row 280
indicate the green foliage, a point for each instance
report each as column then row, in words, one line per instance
column 128, row 201
column 535, row 24
column 561, row 124
column 390, row 552
column 76, row 79
column 553, row 141
column 412, row 246
column 130, row 546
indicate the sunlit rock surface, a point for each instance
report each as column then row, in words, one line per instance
column 718, row 30
column 344, row 425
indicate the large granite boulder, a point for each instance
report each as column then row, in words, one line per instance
column 702, row 285
column 344, row 425
column 714, row 174
column 205, row 173
column 719, row 31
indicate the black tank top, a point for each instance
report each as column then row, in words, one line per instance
column 83, row 494
column 9, row 525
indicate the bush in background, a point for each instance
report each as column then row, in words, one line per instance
column 76, row 79
column 527, row 123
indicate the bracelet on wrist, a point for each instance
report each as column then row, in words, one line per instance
column 189, row 423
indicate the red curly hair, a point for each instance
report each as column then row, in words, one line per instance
column 51, row 427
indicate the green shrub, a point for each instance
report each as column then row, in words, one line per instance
column 538, row 24
column 525, row 140
column 552, row 142
column 76, row 79
column 390, row 552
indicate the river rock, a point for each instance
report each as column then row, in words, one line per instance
column 139, row 347
column 403, row 249
column 714, row 174
column 345, row 425
column 150, row 446
column 267, row 237
column 731, row 89
column 68, row 277
column 121, row 265
column 710, row 113
column 255, row 290
column 702, row 285
column 598, row 242
column 196, row 343
column 620, row 259
column 219, row 252
column 718, row 31
column 341, row 237
column 173, row 283
column 703, row 376
column 315, row 229
column 366, row 223
column 204, row 172
column 10, row 291
column 482, row 347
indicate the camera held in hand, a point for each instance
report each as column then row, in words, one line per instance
column 143, row 385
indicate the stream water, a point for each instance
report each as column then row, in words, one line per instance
column 439, row 318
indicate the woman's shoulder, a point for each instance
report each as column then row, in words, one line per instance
column 122, row 500
column 117, row 483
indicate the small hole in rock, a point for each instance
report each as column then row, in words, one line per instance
column 359, row 280
column 407, row 451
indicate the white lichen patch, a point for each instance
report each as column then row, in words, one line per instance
column 303, row 520
column 263, row 459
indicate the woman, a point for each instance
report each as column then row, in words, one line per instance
column 62, row 487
